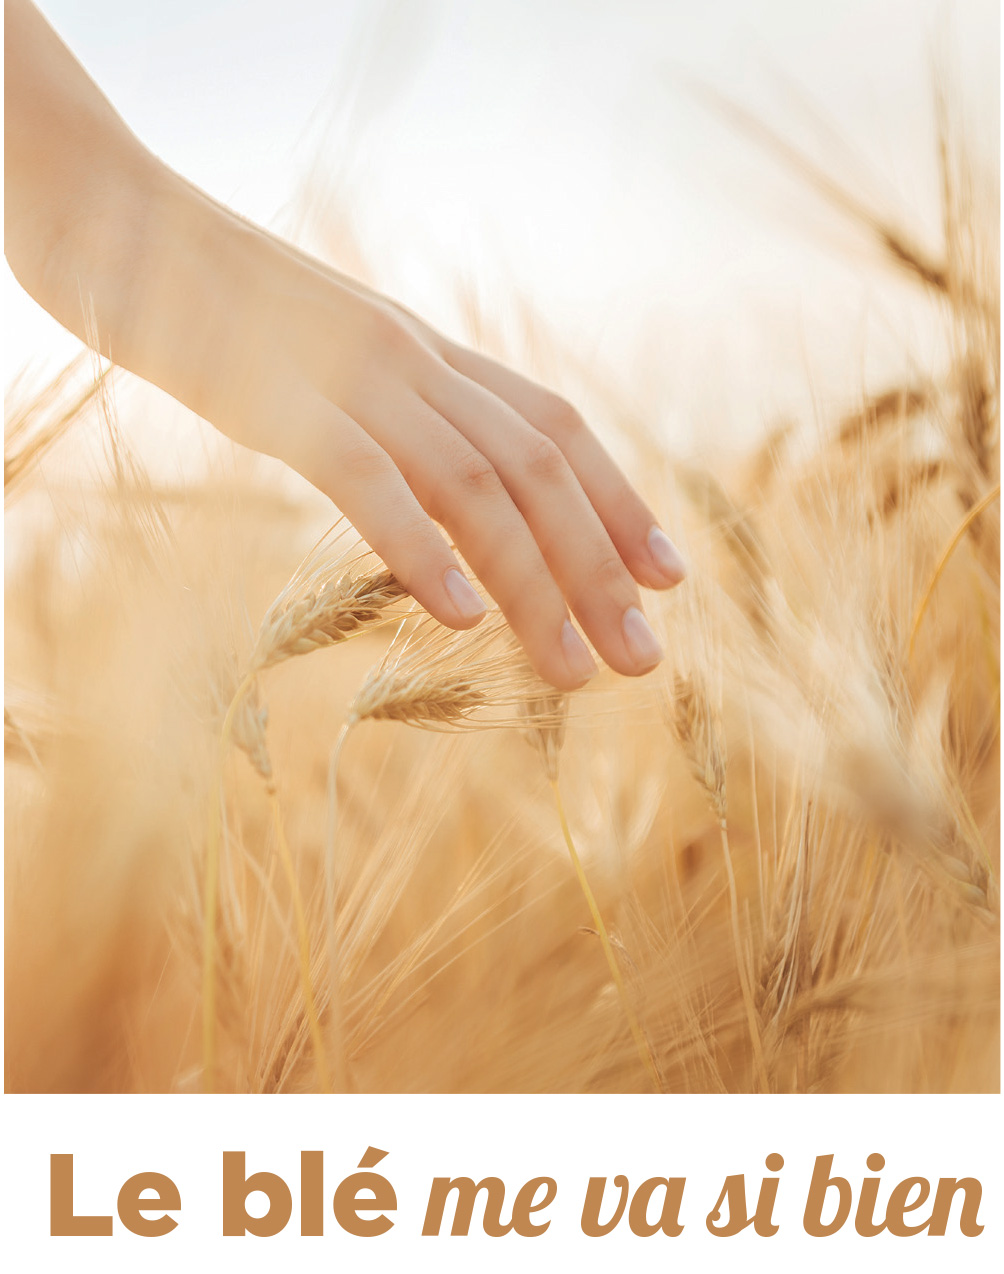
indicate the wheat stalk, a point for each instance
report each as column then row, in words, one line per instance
column 698, row 731
column 942, row 562
column 332, row 610
column 546, row 716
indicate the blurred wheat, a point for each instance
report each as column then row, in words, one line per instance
column 791, row 830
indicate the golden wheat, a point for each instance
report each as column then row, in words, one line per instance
column 788, row 837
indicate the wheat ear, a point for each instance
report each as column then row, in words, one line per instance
column 334, row 612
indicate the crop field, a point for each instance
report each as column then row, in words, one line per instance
column 269, row 828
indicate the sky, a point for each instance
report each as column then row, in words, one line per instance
column 553, row 148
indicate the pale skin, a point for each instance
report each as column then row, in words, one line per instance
column 402, row 428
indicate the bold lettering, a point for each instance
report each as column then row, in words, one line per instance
column 864, row 1217
column 763, row 1219
column 669, row 1217
column 61, row 1216
column 972, row 1193
column 467, row 1191
column 734, row 1194
column 131, row 1207
column 348, row 1201
column 311, row 1192
column 591, row 1223
column 236, row 1220
column 898, row 1205
column 524, row 1205
column 812, row 1218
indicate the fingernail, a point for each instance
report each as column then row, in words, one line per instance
column 468, row 604
column 666, row 556
column 642, row 643
column 580, row 662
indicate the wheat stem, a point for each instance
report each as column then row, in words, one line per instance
column 211, row 885
column 644, row 1051
column 303, row 942
column 942, row 562
column 339, row 1059
column 744, row 979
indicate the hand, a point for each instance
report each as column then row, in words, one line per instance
column 399, row 426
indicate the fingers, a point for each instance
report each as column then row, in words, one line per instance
column 461, row 489
column 574, row 543
column 511, row 498
column 330, row 450
column 644, row 547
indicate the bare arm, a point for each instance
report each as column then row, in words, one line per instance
column 399, row 426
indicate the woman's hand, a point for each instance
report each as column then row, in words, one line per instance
column 400, row 427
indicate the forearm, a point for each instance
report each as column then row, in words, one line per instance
column 73, row 171
column 97, row 230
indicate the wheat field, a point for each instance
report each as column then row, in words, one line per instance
column 270, row 829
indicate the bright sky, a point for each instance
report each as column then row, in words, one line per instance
column 549, row 146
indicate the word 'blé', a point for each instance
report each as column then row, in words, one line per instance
column 354, row 1202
